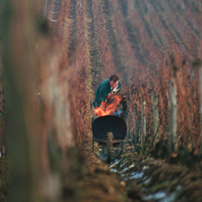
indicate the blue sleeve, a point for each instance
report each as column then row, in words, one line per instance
column 101, row 94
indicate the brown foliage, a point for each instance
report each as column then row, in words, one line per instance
column 187, row 98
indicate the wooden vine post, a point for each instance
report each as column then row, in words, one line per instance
column 173, row 109
column 156, row 115
column 200, row 89
column 136, row 126
column 143, row 126
column 129, row 125
column 198, row 64
column 200, row 83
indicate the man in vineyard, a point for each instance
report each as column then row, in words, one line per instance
column 108, row 86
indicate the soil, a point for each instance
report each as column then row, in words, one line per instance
column 131, row 177
column 135, row 177
column 95, row 181
column 159, row 180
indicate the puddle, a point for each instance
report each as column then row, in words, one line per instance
column 123, row 164
column 145, row 168
column 156, row 196
column 147, row 181
column 54, row 20
column 131, row 166
column 124, row 170
column 133, row 176
column 116, row 162
column 170, row 198
column 114, row 170
column 136, row 175
column 160, row 196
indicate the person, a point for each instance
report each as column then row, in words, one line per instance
column 111, row 85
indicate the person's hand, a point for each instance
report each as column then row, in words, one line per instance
column 116, row 90
column 110, row 98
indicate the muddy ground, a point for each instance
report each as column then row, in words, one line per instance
column 131, row 177
column 135, row 177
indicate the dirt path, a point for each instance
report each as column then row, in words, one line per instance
column 159, row 180
column 98, row 182
column 134, row 177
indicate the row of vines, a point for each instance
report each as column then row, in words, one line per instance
column 135, row 40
